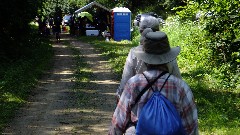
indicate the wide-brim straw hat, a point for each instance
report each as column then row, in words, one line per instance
column 155, row 48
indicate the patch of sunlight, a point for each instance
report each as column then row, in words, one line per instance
column 101, row 71
column 65, row 72
column 100, row 128
column 221, row 131
column 59, row 46
column 66, row 128
column 86, row 110
column 77, row 47
column 67, row 80
column 103, row 61
column 121, row 42
column 47, row 81
column 34, row 23
column 52, row 130
column 85, row 69
column 9, row 97
column 104, row 82
column 92, row 55
column 75, row 110
column 66, row 39
column 64, row 55
column 112, row 94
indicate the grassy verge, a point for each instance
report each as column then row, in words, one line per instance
column 18, row 77
column 218, row 106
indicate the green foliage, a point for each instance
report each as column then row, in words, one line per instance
column 135, row 36
column 221, row 24
column 187, row 12
column 161, row 7
column 190, row 37
column 223, row 29
column 66, row 6
column 218, row 105
column 15, row 17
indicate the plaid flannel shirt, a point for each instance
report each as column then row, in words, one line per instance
column 175, row 90
column 135, row 66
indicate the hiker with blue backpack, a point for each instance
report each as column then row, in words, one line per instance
column 135, row 66
column 155, row 102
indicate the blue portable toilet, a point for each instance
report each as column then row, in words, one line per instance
column 121, row 21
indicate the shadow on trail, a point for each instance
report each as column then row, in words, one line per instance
column 95, row 86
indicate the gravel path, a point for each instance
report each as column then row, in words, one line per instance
column 55, row 108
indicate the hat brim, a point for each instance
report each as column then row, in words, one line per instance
column 155, row 58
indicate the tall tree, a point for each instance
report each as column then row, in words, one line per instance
column 15, row 17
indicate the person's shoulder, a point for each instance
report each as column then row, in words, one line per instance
column 131, row 54
column 135, row 47
column 180, row 83
column 135, row 79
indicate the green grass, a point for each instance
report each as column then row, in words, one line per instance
column 18, row 77
column 218, row 106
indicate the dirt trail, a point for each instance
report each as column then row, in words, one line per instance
column 53, row 107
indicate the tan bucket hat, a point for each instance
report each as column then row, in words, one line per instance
column 155, row 48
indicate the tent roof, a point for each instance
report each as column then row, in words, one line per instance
column 90, row 5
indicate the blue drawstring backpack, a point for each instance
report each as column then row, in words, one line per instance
column 158, row 116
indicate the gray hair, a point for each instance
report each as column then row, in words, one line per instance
column 143, row 34
column 149, row 22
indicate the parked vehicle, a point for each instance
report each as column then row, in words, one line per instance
column 66, row 20
column 141, row 17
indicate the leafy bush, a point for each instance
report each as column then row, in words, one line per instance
column 15, row 17
column 222, row 32
column 216, row 102
column 220, row 20
column 190, row 37
column 135, row 36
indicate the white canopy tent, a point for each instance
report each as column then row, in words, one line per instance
column 94, row 3
column 101, row 18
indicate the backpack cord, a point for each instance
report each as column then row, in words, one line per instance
column 147, row 87
column 164, row 83
column 147, row 80
column 143, row 91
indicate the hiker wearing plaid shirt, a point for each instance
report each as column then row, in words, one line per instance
column 133, row 65
column 155, row 52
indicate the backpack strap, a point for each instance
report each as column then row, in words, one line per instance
column 147, row 87
column 164, row 82
column 143, row 91
column 147, row 80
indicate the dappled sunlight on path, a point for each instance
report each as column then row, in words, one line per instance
column 98, row 94
column 54, row 107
